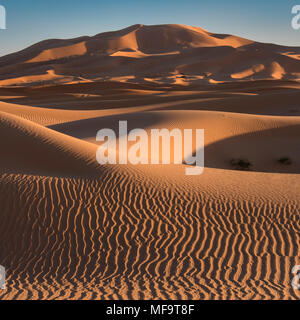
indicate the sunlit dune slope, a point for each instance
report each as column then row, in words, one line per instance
column 165, row 54
column 27, row 147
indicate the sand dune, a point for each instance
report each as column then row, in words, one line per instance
column 121, row 236
column 163, row 54
column 72, row 229
column 31, row 148
column 256, row 97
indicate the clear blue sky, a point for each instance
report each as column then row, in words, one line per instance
column 30, row 21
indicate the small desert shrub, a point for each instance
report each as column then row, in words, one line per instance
column 241, row 164
column 285, row 161
column 183, row 76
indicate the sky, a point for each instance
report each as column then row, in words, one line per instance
column 31, row 21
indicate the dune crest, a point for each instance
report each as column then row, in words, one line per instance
column 162, row 54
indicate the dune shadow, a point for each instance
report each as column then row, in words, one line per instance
column 262, row 149
column 87, row 128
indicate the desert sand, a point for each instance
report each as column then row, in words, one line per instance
column 73, row 229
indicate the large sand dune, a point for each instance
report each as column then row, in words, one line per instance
column 165, row 54
column 72, row 229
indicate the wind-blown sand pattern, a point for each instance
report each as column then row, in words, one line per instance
column 72, row 229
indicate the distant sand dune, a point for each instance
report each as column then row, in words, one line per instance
column 162, row 54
